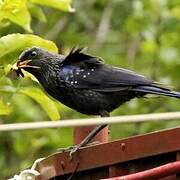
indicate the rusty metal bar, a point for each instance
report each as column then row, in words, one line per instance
column 155, row 173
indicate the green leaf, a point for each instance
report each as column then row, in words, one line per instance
column 175, row 12
column 16, row 11
column 64, row 5
column 44, row 101
column 4, row 109
column 13, row 44
column 37, row 12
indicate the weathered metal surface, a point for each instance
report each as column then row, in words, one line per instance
column 111, row 153
column 92, row 174
column 155, row 173
column 142, row 164
column 124, row 168
column 118, row 169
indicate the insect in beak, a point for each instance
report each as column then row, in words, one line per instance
column 17, row 70
column 22, row 64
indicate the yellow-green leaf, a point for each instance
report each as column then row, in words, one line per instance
column 64, row 5
column 44, row 101
column 4, row 109
column 175, row 12
column 16, row 11
column 37, row 12
column 13, row 44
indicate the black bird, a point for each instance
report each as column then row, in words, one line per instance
column 86, row 84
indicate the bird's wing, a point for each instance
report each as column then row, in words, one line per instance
column 107, row 78
column 76, row 56
column 87, row 72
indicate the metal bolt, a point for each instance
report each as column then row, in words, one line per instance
column 123, row 146
column 63, row 165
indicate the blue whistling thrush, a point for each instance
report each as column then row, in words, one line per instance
column 85, row 83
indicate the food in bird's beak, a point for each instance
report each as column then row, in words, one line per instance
column 19, row 72
column 17, row 69
column 18, row 65
column 21, row 64
column 14, row 67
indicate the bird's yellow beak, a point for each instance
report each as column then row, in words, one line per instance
column 20, row 64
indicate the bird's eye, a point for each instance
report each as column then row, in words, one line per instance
column 33, row 53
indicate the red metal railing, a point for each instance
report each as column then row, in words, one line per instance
column 155, row 173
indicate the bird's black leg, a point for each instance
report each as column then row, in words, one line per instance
column 91, row 135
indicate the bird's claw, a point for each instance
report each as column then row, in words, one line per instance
column 76, row 148
column 62, row 150
column 73, row 150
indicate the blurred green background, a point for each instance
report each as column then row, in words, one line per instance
column 140, row 35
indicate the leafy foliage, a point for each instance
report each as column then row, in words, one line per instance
column 9, row 52
column 17, row 96
column 4, row 109
column 48, row 105
column 10, row 49
column 61, row 5
column 17, row 12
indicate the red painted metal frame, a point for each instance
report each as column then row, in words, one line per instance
column 110, row 154
column 155, row 173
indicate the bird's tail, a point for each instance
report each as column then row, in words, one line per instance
column 157, row 90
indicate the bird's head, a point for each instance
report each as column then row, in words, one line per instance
column 32, row 60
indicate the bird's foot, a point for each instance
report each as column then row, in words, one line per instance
column 62, row 150
column 71, row 150
column 76, row 148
